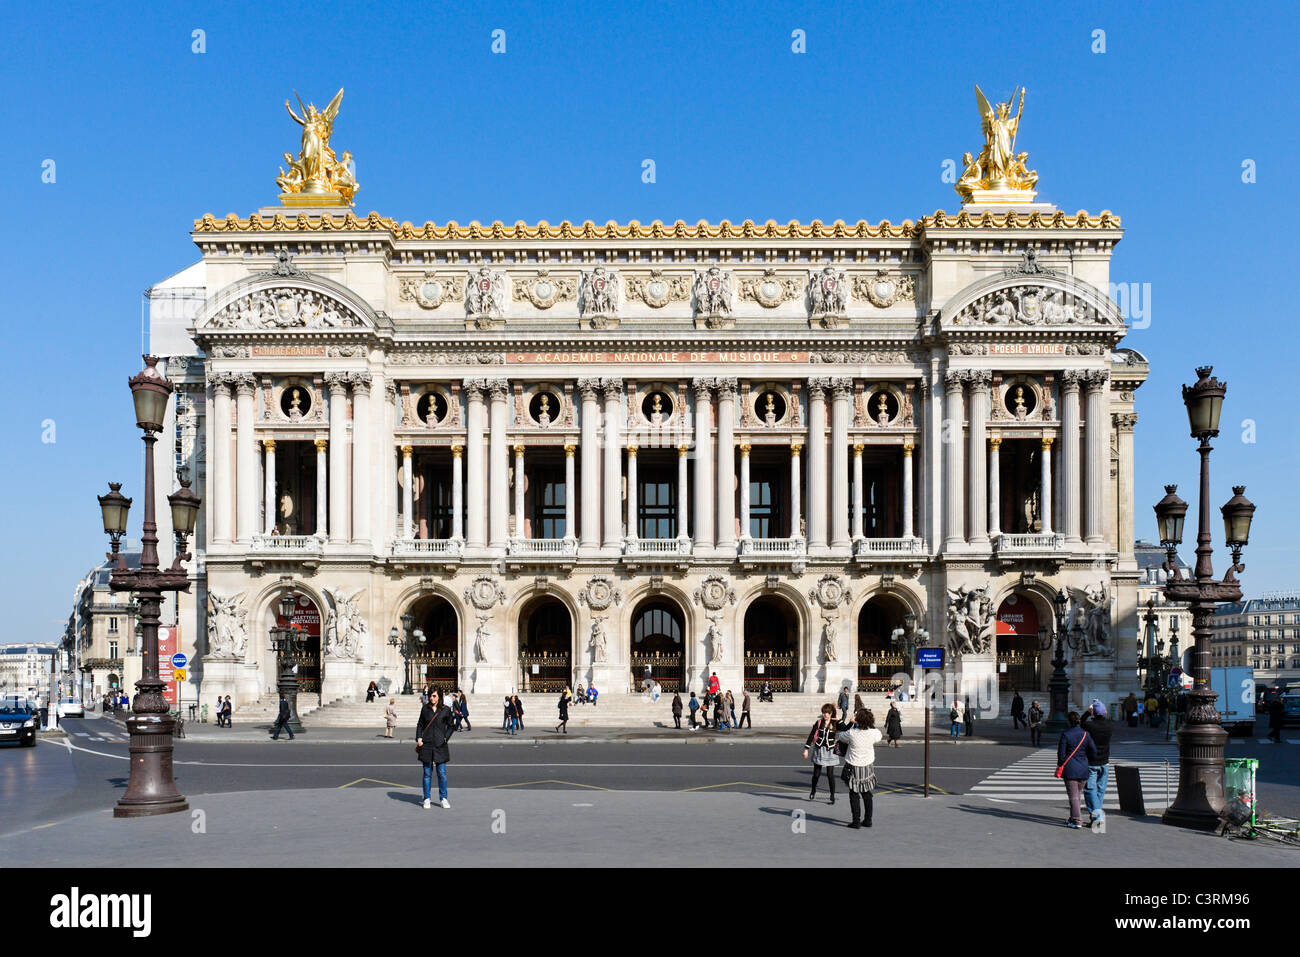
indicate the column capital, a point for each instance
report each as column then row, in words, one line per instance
column 268, row 445
column 979, row 378
column 744, row 449
column 390, row 390
column 631, row 451
column 221, row 382
column 336, row 382
column 1071, row 379
column 569, row 449
column 1096, row 379
column 842, row 387
column 474, row 389
column 611, row 388
column 995, row 441
column 703, row 387
column 1124, row 421
column 407, row 450
column 1047, row 442
column 322, row 445
column 726, row 387
column 908, row 448
column 456, row 450
column 858, row 447
column 589, row 388
column 360, row 382
column 519, row 450
column 796, row 448
column 245, row 384
column 683, row 450
column 954, row 379
column 499, row 389
column 817, row 386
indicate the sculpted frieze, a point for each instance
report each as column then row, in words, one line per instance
column 713, row 293
column 770, row 289
column 431, row 290
column 285, row 308
column 598, row 297
column 658, row 289
column 1029, row 305
column 882, row 288
column 828, row 296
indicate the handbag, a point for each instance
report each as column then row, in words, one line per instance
column 420, row 736
column 1061, row 769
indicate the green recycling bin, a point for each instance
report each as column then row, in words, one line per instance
column 1239, row 789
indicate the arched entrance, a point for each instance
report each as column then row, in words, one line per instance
column 658, row 627
column 771, row 645
column 1018, row 650
column 306, row 618
column 879, row 657
column 545, row 646
column 434, row 663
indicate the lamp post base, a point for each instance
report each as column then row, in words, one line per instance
column 1200, row 767
column 150, row 789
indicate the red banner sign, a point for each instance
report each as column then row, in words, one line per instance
column 651, row 356
column 1018, row 616
column 169, row 638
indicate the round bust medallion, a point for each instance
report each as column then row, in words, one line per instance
column 770, row 289
column 883, row 289
column 657, row 288
column 431, row 290
column 543, row 289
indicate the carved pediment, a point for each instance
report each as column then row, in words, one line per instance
column 1019, row 298
column 285, row 307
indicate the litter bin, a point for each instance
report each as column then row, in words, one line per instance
column 1239, row 789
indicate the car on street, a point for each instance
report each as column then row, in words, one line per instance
column 71, row 708
column 1290, row 709
column 19, row 719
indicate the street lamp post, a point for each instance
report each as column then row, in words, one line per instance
column 907, row 639
column 407, row 643
column 150, row 788
column 288, row 641
column 1059, row 685
column 1201, row 739
column 1153, row 661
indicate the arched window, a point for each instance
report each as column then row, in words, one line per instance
column 658, row 621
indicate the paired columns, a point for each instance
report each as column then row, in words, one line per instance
column 613, row 392
column 841, row 392
column 1070, row 381
column 498, row 466
column 1097, row 439
column 219, row 443
column 245, row 460
column 726, row 482
column 817, row 539
column 703, row 465
column 954, row 517
column 476, row 535
column 589, row 390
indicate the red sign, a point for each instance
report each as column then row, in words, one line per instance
column 306, row 616
column 1018, row 616
column 169, row 639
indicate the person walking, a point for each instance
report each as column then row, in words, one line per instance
column 706, row 710
column 677, row 711
column 894, row 724
column 719, row 712
column 464, row 710
column 744, row 713
column 842, row 702
column 507, row 722
column 1035, row 725
column 282, row 720
column 1151, row 709
column 1074, row 753
column 1099, row 728
column 731, row 710
column 1017, row 710
column 432, row 736
column 390, row 717
column 227, row 710
column 519, row 713
column 693, row 705
column 1276, row 719
column 1129, row 710
column 859, row 739
column 954, row 719
column 821, row 743
column 968, row 719
column 563, row 726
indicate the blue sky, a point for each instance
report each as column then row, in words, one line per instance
column 147, row 135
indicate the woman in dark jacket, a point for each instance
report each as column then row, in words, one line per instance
column 433, row 731
column 563, row 726
column 821, row 745
column 1074, row 752
column 677, row 710
column 519, row 712
column 894, row 724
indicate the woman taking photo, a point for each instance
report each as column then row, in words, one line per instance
column 821, row 745
column 563, row 726
column 432, row 734
column 860, row 737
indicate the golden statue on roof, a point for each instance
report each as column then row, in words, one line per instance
column 998, row 175
column 317, row 177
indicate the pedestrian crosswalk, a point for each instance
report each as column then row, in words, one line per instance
column 103, row 736
column 1033, row 778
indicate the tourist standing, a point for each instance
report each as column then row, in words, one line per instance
column 842, row 702
column 1074, row 753
column 390, row 717
column 432, row 736
column 719, row 712
column 894, row 724
column 731, row 710
column 694, row 706
column 677, row 711
column 744, row 713
column 1017, row 710
column 1098, row 727
column 519, row 713
column 1035, row 725
column 1276, row 719
column 282, row 720
column 954, row 720
column 821, row 743
column 860, row 739
column 967, row 718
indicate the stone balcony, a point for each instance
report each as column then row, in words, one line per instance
column 306, row 549
column 657, row 551
column 773, row 551
column 535, row 552
column 446, row 552
column 1015, row 547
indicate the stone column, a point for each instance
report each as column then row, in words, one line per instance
column 388, row 505
column 744, row 491
column 726, row 479
column 457, row 492
column 269, row 509
column 1045, row 481
column 475, row 481
column 245, row 460
column 1070, row 503
column 613, row 462
column 631, row 492
column 498, row 464
column 907, row 489
column 857, row 491
column 979, row 413
column 570, row 493
column 683, row 502
column 519, row 492
column 322, row 487
column 995, row 486
column 362, row 506
column 817, row 539
column 841, row 391
column 219, row 443
column 408, row 493
column 1097, row 439
column 954, row 518
column 337, row 384
column 796, row 491
column 1123, row 423
column 703, row 466
column 590, row 391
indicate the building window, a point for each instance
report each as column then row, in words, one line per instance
column 656, row 514
column 112, row 626
column 548, row 502
column 112, row 649
column 768, row 494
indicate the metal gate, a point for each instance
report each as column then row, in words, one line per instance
column 778, row 670
column 666, row 669
column 543, row 673
column 432, row 671
column 1021, row 672
column 876, row 670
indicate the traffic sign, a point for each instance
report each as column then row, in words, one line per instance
column 179, row 660
column 179, row 674
column 929, row 657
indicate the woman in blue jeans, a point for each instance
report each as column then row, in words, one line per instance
column 433, row 731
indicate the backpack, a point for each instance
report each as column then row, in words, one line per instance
column 954, row 715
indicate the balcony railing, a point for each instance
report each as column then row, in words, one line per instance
column 772, row 547
column 431, row 547
column 886, row 547
column 1029, row 543
column 657, row 546
column 296, row 544
column 542, row 547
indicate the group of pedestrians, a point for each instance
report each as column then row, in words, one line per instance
column 513, row 720
column 1031, row 719
column 1083, row 762
column 831, row 740
column 720, row 706
column 961, row 720
column 225, row 708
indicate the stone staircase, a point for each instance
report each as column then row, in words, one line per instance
column 264, row 710
column 626, row 711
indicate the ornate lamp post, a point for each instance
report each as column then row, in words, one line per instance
column 1201, row 739
column 408, row 643
column 1059, row 685
column 288, row 641
column 1153, row 661
column 150, row 788
column 908, row 638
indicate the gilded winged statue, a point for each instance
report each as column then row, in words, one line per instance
column 317, row 169
column 998, row 166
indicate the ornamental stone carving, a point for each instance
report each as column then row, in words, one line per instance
column 545, row 290
column 485, row 296
column 1093, row 603
column 713, row 296
column 598, row 297
column 770, row 289
column 882, row 288
column 431, row 290
column 830, row 593
column 659, row 289
column 484, row 593
column 855, row 357
column 714, row 593
column 1029, row 305
column 828, row 296
column 971, row 621
column 345, row 629
column 1095, row 378
column 360, row 381
column 447, row 358
column 227, row 626
column 286, row 308
column 600, row 594
column 589, row 388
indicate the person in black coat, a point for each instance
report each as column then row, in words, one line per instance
column 433, row 732
column 677, row 710
column 563, row 726
column 282, row 720
column 1017, row 710
column 1276, row 719
column 1075, row 751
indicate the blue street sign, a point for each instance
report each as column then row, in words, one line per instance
column 929, row 657
column 179, row 660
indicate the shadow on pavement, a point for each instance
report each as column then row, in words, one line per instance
column 407, row 798
column 1050, row 821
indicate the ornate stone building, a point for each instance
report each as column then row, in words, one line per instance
column 575, row 452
